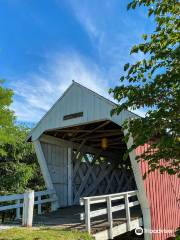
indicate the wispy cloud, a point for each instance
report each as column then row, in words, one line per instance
column 35, row 93
column 113, row 31
column 112, row 36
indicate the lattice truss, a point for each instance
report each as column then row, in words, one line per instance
column 97, row 175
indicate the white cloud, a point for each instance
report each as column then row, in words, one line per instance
column 87, row 17
column 35, row 93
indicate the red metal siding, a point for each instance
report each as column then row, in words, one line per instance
column 163, row 192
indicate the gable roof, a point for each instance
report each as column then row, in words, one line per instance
column 73, row 92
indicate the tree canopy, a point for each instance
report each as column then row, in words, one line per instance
column 19, row 168
column 6, row 116
column 153, row 83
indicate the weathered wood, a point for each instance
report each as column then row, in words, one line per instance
column 64, row 143
column 92, row 131
column 108, row 134
column 28, row 207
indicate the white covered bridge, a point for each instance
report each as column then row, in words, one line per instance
column 80, row 151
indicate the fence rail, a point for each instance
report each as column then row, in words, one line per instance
column 109, row 209
column 18, row 200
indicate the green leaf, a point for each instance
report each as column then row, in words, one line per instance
column 126, row 66
column 134, row 49
column 144, row 36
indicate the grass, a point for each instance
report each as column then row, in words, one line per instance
column 42, row 234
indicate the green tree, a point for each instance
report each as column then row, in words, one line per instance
column 154, row 83
column 6, row 116
column 19, row 168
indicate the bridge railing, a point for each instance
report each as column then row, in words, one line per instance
column 109, row 209
column 17, row 201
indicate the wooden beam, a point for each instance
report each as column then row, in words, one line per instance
column 64, row 143
column 98, row 136
column 92, row 131
column 84, row 130
column 70, row 172
column 142, row 197
column 43, row 164
column 45, row 171
column 78, row 149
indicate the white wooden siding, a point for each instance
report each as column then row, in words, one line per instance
column 78, row 99
column 56, row 158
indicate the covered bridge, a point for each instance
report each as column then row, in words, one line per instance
column 80, row 151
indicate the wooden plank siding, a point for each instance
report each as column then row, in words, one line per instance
column 163, row 194
column 78, row 99
column 57, row 162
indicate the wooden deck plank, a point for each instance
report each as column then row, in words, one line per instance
column 69, row 218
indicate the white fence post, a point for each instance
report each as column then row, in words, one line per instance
column 87, row 215
column 110, row 220
column 18, row 210
column 54, row 203
column 28, row 207
column 128, row 217
column 39, row 205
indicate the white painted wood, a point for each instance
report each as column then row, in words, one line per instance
column 118, row 230
column 39, row 205
column 63, row 143
column 45, row 201
column 114, row 196
column 20, row 197
column 28, row 207
column 14, row 206
column 103, row 211
column 70, row 196
column 91, row 177
column 45, row 172
column 78, row 99
column 11, row 197
column 57, row 161
column 141, row 189
column 43, row 193
column 110, row 219
column 18, row 210
column 88, row 201
column 87, row 216
column 128, row 217
column 43, row 164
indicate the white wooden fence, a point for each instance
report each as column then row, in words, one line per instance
column 17, row 201
column 109, row 209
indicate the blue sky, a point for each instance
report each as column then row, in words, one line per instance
column 45, row 44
